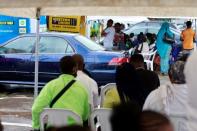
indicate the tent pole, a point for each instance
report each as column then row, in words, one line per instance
column 36, row 53
column 195, row 36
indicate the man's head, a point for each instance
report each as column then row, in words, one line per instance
column 153, row 121
column 189, row 24
column 68, row 65
column 125, row 117
column 109, row 23
column 79, row 60
column 69, row 128
column 131, row 35
column 117, row 27
column 137, row 61
column 122, row 26
column 176, row 72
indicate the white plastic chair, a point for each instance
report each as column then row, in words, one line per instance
column 104, row 89
column 149, row 58
column 102, row 117
column 132, row 50
column 57, row 117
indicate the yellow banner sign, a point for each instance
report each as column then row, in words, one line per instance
column 65, row 24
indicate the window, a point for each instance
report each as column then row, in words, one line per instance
column 19, row 45
column 137, row 31
column 153, row 30
column 89, row 43
column 143, row 24
column 136, row 27
column 54, row 45
column 155, row 24
column 69, row 49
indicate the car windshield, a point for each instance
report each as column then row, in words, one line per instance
column 89, row 43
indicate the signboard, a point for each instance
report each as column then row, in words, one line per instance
column 22, row 22
column 12, row 26
column 64, row 24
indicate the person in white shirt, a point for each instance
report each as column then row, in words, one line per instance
column 191, row 79
column 171, row 99
column 108, row 33
column 88, row 82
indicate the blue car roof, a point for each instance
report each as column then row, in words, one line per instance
column 53, row 34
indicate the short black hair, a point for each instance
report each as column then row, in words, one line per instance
column 152, row 121
column 110, row 21
column 176, row 72
column 79, row 60
column 189, row 24
column 137, row 60
column 117, row 24
column 69, row 128
column 131, row 34
column 67, row 64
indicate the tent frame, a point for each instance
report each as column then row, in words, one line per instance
column 37, row 52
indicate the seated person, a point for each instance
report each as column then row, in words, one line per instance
column 125, row 117
column 88, row 82
column 75, row 98
column 171, row 99
column 149, row 79
column 143, row 47
column 128, row 88
column 129, row 117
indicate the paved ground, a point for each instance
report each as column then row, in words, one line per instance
column 15, row 108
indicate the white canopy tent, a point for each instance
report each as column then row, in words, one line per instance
column 153, row 8
column 27, row 8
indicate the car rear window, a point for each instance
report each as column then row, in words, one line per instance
column 89, row 43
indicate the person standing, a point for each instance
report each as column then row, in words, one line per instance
column 75, row 98
column 119, row 37
column 108, row 33
column 164, row 48
column 188, row 38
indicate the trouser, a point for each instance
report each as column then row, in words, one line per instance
column 164, row 61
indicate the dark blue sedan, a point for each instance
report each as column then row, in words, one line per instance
column 17, row 58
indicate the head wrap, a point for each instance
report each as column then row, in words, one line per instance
column 176, row 72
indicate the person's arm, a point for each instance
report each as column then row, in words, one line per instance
column 105, row 32
column 42, row 101
column 181, row 37
column 95, row 93
column 194, row 39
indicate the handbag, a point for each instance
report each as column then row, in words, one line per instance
column 168, row 39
